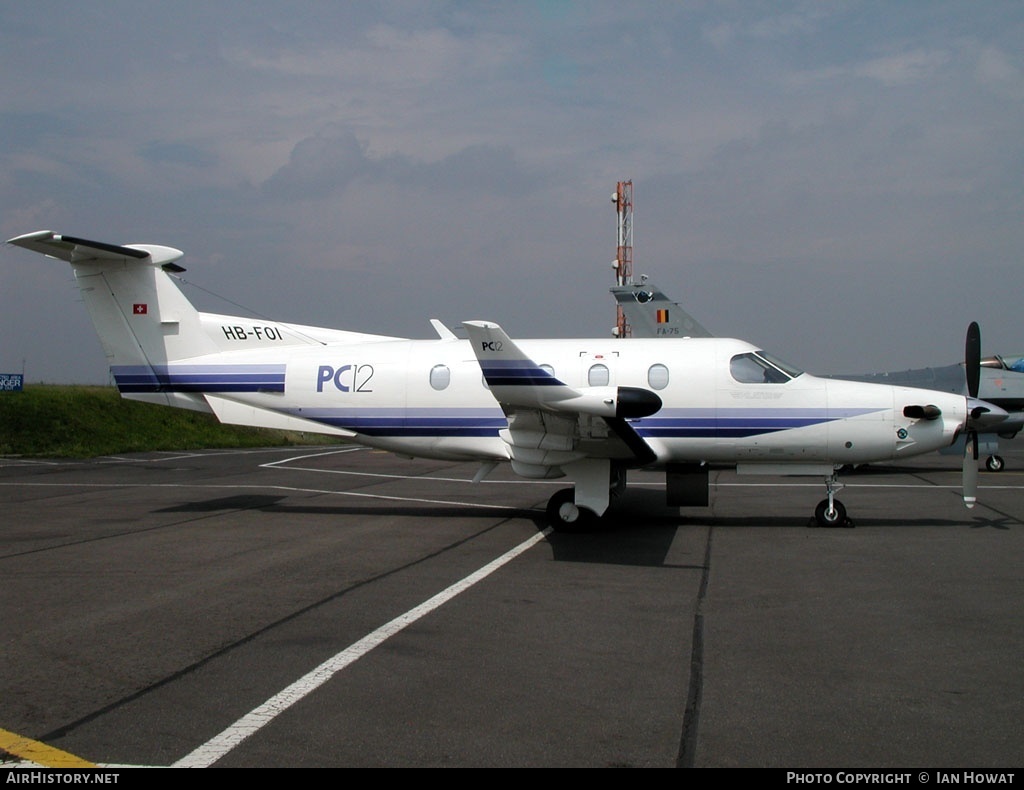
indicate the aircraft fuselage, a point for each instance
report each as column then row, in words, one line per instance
column 428, row 398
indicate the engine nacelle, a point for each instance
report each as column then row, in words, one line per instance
column 623, row 402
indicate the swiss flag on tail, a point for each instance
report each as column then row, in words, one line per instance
column 140, row 309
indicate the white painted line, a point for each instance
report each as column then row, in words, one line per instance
column 315, row 455
column 267, row 487
column 278, row 465
column 252, row 722
column 282, row 464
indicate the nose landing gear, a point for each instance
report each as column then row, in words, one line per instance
column 830, row 512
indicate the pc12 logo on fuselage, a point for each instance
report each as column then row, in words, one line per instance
column 347, row 378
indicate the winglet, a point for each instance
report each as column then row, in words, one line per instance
column 510, row 373
column 517, row 380
column 443, row 332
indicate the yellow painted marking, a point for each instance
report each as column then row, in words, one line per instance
column 40, row 753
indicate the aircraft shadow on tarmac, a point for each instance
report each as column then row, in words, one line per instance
column 638, row 529
column 633, row 537
column 635, row 511
column 271, row 504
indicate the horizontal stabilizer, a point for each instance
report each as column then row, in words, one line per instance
column 76, row 250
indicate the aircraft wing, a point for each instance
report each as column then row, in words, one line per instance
column 551, row 423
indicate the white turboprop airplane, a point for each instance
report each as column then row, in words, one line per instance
column 588, row 410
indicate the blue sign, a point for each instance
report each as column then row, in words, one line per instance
column 11, row 382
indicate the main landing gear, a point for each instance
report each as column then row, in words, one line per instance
column 830, row 512
column 994, row 463
column 580, row 509
column 564, row 515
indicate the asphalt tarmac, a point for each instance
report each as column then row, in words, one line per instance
column 340, row 607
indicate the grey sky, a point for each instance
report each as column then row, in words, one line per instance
column 839, row 182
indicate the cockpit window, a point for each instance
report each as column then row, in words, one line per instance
column 1004, row 363
column 757, row 367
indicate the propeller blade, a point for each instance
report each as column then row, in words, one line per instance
column 972, row 364
column 972, row 358
column 970, row 481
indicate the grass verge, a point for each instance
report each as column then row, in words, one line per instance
column 58, row 421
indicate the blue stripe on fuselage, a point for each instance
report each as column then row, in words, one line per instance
column 199, row 378
column 398, row 422
column 736, row 423
column 681, row 423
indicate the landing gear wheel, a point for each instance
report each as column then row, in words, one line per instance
column 836, row 517
column 564, row 515
column 994, row 463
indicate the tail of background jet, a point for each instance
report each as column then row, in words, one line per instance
column 650, row 313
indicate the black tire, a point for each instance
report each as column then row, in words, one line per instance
column 836, row 518
column 562, row 518
column 994, row 463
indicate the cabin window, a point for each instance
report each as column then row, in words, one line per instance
column 440, row 377
column 598, row 375
column 657, row 377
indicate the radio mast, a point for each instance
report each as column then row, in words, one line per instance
column 623, row 263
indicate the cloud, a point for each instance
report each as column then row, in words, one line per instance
column 320, row 165
column 998, row 72
column 329, row 162
column 872, row 148
column 903, row 68
column 476, row 168
column 895, row 70
column 177, row 154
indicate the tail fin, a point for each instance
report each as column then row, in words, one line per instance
column 141, row 316
column 650, row 313
column 143, row 320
